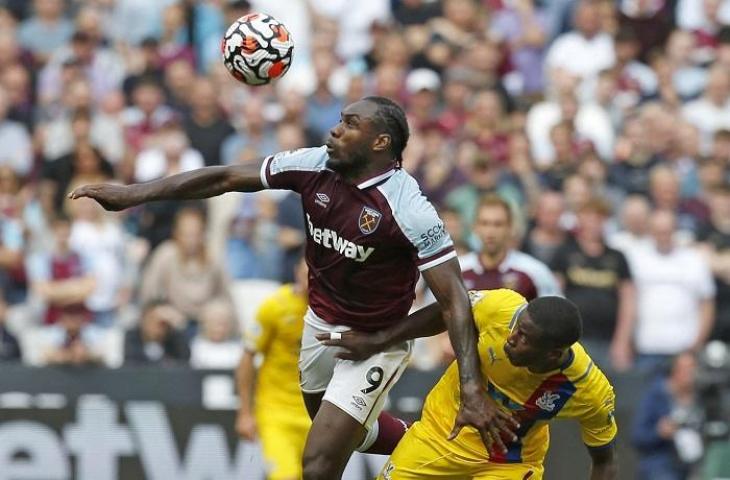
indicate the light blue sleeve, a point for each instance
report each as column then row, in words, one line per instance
column 289, row 170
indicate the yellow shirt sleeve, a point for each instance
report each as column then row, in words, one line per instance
column 598, row 425
column 495, row 308
column 261, row 331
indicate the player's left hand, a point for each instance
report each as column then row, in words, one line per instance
column 494, row 425
column 353, row 346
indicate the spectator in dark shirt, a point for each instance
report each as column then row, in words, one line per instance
column 597, row 278
column 205, row 125
column 157, row 339
column 665, row 408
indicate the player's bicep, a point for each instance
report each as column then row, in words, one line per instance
column 244, row 178
column 598, row 425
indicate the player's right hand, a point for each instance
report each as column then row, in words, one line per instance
column 480, row 411
column 111, row 197
column 355, row 346
column 246, row 426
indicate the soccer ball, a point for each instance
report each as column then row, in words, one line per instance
column 257, row 48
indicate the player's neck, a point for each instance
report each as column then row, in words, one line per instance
column 372, row 169
column 550, row 366
column 491, row 262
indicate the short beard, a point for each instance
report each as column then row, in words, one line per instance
column 359, row 160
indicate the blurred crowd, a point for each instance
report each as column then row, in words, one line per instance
column 605, row 124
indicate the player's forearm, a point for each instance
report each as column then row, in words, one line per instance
column 245, row 374
column 201, row 183
column 426, row 322
column 463, row 335
column 707, row 321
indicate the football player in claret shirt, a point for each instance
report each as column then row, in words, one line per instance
column 369, row 233
column 534, row 368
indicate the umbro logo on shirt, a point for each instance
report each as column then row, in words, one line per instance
column 322, row 200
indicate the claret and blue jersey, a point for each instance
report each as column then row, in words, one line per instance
column 365, row 242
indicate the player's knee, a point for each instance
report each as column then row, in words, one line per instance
column 319, row 467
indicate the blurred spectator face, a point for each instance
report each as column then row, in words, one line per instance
column 711, row 174
column 626, row 50
column 82, row 46
column 561, row 137
column 78, row 95
column 635, row 215
column 155, row 324
column 453, row 224
column 721, row 145
column 9, row 49
column 81, row 127
column 680, row 46
column 577, row 191
column 9, row 183
column 587, row 18
column 389, row 80
column 113, row 103
column 204, row 95
column 456, row 93
column 720, row 204
column 86, row 160
column 16, row 81
column 89, row 21
column 48, row 9
column 173, row 19
column 484, row 173
column 590, row 223
column 218, row 321
column 324, row 63
column 718, row 85
column 147, row 97
column 179, row 77
column 712, row 9
column 549, row 210
column 189, row 233
column 173, row 143
column 568, row 107
column 664, row 188
column 392, row 49
column 4, row 104
column 252, row 116
column 290, row 136
column 487, row 107
column 294, row 104
column 607, row 88
column 662, row 226
column 462, row 13
column 61, row 234
column 235, row 10
column 484, row 56
column 8, row 23
column 688, row 138
column 494, row 229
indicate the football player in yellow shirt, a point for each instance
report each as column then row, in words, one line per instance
column 276, row 412
column 534, row 367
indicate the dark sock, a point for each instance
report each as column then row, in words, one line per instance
column 391, row 430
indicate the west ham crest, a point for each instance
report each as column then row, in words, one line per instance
column 369, row 220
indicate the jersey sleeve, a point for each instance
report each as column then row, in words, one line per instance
column 496, row 309
column 597, row 422
column 291, row 169
column 420, row 223
column 261, row 330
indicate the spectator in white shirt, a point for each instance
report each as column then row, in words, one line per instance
column 16, row 146
column 171, row 155
column 216, row 346
column 675, row 295
column 711, row 112
column 584, row 51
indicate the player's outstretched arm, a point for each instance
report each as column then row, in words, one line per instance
column 201, row 183
column 476, row 409
column 357, row 346
column 605, row 465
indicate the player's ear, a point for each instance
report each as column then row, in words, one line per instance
column 381, row 142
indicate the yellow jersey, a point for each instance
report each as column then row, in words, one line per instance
column 276, row 334
column 578, row 390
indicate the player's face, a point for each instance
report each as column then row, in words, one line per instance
column 493, row 228
column 350, row 141
column 523, row 347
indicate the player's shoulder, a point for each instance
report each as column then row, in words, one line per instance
column 591, row 384
column 403, row 193
column 278, row 300
column 499, row 307
column 302, row 159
